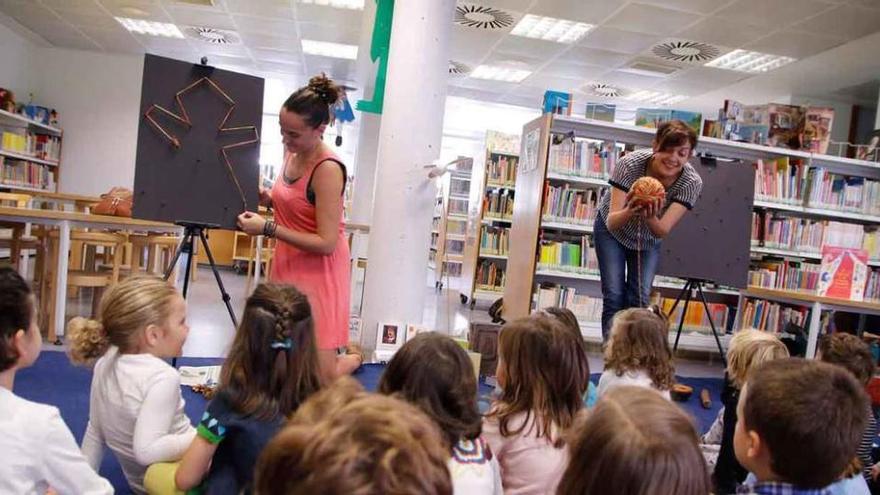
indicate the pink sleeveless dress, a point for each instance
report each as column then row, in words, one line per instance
column 323, row 278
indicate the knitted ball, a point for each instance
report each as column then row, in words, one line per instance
column 647, row 189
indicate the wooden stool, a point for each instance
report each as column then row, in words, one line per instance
column 159, row 249
column 265, row 259
column 91, row 275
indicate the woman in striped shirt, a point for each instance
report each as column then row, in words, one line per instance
column 628, row 236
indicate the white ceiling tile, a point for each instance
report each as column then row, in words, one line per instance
column 266, row 27
column 116, row 40
column 485, row 85
column 78, row 42
column 239, row 51
column 574, row 71
column 534, row 92
column 530, row 47
column 174, row 53
column 606, row 38
column 328, row 15
column 772, row 15
column 590, row 11
column 514, row 60
column 872, row 4
column 99, row 19
column 260, row 41
column 509, row 5
column 651, row 19
column 547, row 81
column 630, row 81
column 275, row 9
column 696, row 6
column 592, row 56
column 710, row 75
column 723, row 32
column 161, row 43
column 520, row 101
column 201, row 18
column 684, row 86
column 473, row 94
column 846, row 21
column 333, row 67
column 349, row 35
column 795, row 44
column 70, row 4
column 281, row 68
column 472, row 45
column 285, row 57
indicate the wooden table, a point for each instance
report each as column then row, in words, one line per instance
column 79, row 202
column 65, row 221
column 816, row 304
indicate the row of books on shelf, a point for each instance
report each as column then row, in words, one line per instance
column 574, row 257
column 494, row 240
column 872, row 287
column 570, row 205
column 777, row 231
column 584, row 307
column 785, row 275
column 501, row 169
column 581, row 158
column 773, row 317
column 454, row 247
column 458, row 206
column 787, row 181
column 26, row 174
column 490, row 273
column 498, row 204
column 460, row 187
column 451, row 269
column 39, row 146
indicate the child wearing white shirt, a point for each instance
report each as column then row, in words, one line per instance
column 135, row 407
column 39, row 451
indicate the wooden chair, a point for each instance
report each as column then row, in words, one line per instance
column 17, row 238
column 152, row 253
column 91, row 274
column 265, row 260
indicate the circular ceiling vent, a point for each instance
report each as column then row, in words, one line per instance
column 604, row 90
column 458, row 69
column 482, row 17
column 213, row 35
column 686, row 51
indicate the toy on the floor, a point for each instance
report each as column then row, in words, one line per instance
column 207, row 391
column 681, row 392
column 705, row 399
column 646, row 190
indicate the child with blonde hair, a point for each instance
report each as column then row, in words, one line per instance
column 271, row 369
column 638, row 352
column 344, row 440
column 543, row 375
column 135, row 406
column 635, row 442
column 38, row 450
column 748, row 349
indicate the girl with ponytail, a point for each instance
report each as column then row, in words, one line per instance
column 271, row 369
column 135, row 407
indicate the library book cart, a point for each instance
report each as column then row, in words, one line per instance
column 803, row 202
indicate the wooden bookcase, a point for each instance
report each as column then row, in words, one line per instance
column 492, row 195
column 37, row 159
column 530, row 228
column 449, row 223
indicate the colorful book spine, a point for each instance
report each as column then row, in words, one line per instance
column 580, row 158
column 570, row 257
column 501, row 169
column 490, row 276
column 498, row 203
column 568, row 205
column 587, row 309
column 494, row 240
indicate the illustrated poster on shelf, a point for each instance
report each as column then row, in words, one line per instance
column 600, row 111
column 844, row 273
column 530, row 151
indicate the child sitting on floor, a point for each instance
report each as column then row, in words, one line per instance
column 799, row 426
column 543, row 376
column 38, row 449
column 854, row 355
column 434, row 373
column 271, row 369
column 135, row 407
column 343, row 440
column 748, row 349
column 638, row 352
column 635, row 442
column 567, row 318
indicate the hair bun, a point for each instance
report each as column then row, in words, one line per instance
column 325, row 88
column 87, row 340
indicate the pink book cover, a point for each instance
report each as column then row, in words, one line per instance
column 844, row 273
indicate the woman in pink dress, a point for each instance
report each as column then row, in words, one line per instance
column 311, row 252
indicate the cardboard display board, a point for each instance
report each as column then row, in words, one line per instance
column 712, row 242
column 191, row 182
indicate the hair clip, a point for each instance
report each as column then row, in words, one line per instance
column 283, row 344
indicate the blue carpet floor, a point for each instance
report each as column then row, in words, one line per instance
column 53, row 380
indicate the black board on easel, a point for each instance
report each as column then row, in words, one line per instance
column 191, row 183
column 712, row 242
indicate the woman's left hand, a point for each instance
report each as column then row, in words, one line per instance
column 250, row 223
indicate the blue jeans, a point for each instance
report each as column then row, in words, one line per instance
column 618, row 268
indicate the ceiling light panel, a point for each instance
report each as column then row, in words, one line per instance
column 551, row 29
column 752, row 62
column 328, row 49
column 506, row 74
column 152, row 28
column 339, row 4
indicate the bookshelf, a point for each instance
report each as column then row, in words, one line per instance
column 489, row 220
column 802, row 201
column 30, row 154
column 450, row 223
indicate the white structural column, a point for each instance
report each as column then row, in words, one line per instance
column 877, row 115
column 412, row 126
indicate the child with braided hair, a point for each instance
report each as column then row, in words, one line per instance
column 271, row 369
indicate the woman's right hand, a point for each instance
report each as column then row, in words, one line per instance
column 265, row 197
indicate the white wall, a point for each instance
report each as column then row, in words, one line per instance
column 15, row 58
column 97, row 97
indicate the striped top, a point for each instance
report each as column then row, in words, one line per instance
column 685, row 190
column 866, row 446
